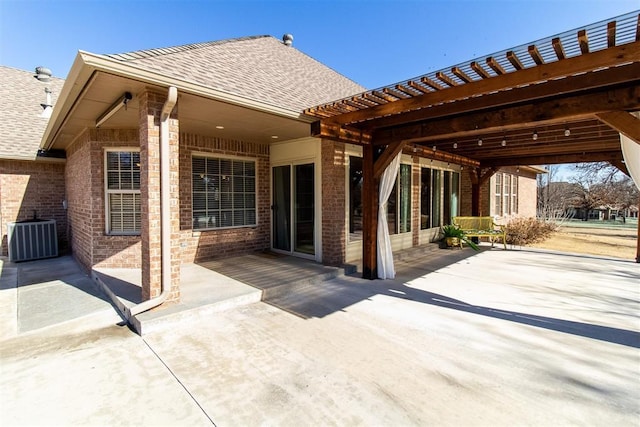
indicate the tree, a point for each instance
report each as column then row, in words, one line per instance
column 624, row 195
column 554, row 197
column 603, row 185
column 606, row 172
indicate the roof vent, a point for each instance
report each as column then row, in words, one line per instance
column 48, row 106
column 43, row 74
column 287, row 39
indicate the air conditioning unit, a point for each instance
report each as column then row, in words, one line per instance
column 33, row 239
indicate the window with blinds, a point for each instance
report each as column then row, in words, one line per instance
column 123, row 192
column 223, row 192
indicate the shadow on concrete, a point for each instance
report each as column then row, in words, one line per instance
column 307, row 299
column 53, row 291
column 338, row 294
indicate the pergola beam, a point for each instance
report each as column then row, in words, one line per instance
column 440, row 155
column 385, row 159
column 556, row 159
column 541, row 113
column 321, row 129
column 625, row 123
column 622, row 167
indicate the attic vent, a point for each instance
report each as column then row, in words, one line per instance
column 287, row 39
column 43, row 74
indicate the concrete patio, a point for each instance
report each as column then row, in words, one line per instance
column 518, row 337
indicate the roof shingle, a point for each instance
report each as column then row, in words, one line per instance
column 21, row 126
column 261, row 68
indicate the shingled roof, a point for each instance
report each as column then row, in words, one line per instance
column 21, row 126
column 261, row 68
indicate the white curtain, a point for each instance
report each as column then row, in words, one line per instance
column 631, row 154
column 385, row 255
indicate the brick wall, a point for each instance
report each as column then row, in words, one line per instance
column 203, row 245
column 527, row 194
column 465, row 195
column 86, row 201
column 465, row 192
column 28, row 186
column 333, row 203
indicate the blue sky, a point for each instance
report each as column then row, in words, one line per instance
column 373, row 42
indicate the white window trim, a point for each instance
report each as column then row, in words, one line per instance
column 229, row 157
column 107, row 212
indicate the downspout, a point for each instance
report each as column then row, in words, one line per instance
column 165, row 208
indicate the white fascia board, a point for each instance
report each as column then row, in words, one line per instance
column 74, row 84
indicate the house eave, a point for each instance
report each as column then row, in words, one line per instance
column 87, row 64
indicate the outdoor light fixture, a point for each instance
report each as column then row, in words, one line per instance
column 567, row 131
column 517, row 169
column 434, row 148
column 115, row 107
column 535, row 135
column 504, row 142
column 479, row 142
column 461, row 167
column 455, row 145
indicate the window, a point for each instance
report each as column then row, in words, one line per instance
column 451, row 189
column 439, row 197
column 122, row 192
column 498, row 207
column 399, row 203
column 506, row 194
column 355, row 198
column 425, row 198
column 514, row 195
column 436, row 198
column 224, row 192
column 404, row 180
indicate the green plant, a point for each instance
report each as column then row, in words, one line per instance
column 455, row 232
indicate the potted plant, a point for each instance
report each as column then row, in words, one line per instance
column 453, row 235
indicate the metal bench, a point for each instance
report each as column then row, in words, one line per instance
column 481, row 226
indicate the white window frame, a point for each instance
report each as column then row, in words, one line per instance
column 514, row 193
column 108, row 192
column 256, row 184
column 498, row 194
column 506, row 193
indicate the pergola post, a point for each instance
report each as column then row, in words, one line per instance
column 370, row 188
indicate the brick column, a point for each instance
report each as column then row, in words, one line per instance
column 333, row 203
column 415, row 204
column 150, row 107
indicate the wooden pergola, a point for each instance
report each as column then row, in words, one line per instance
column 563, row 99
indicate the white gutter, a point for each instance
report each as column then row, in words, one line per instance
column 165, row 208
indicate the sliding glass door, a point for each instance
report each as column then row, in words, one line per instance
column 293, row 208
